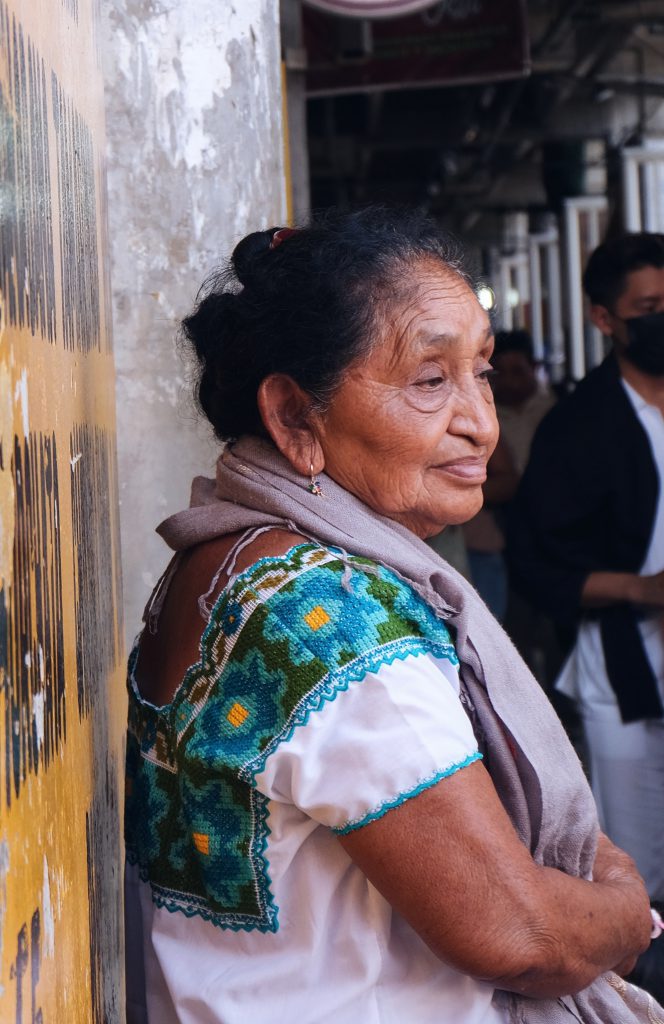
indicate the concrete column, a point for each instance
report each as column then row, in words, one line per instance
column 194, row 126
column 295, row 57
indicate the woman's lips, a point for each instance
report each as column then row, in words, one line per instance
column 471, row 469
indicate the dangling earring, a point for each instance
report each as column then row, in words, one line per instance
column 313, row 485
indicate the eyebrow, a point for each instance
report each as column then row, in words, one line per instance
column 433, row 339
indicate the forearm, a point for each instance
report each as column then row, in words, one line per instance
column 579, row 930
column 605, row 588
column 471, row 890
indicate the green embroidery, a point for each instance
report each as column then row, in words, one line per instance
column 282, row 640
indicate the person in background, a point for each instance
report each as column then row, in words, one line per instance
column 521, row 402
column 483, row 534
column 586, row 544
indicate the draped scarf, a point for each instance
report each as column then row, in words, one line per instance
column 534, row 768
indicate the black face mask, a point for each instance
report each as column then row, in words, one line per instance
column 646, row 343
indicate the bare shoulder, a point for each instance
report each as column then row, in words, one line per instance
column 203, row 561
column 167, row 652
column 273, row 543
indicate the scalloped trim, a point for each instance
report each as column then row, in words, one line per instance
column 338, row 681
column 378, row 812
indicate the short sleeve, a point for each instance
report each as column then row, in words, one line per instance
column 389, row 735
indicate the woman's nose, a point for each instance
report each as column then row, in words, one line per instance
column 475, row 415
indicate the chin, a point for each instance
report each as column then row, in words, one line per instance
column 429, row 520
column 453, row 517
column 456, row 515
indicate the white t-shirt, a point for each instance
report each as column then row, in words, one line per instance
column 382, row 722
column 584, row 677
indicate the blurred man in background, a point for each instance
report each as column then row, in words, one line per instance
column 586, row 543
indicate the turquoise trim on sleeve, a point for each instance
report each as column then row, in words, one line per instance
column 379, row 812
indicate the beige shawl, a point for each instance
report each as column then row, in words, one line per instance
column 533, row 766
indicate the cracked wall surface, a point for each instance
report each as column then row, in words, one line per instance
column 195, row 161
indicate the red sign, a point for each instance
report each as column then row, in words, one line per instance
column 453, row 42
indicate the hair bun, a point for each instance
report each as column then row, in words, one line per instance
column 248, row 256
column 209, row 324
column 305, row 303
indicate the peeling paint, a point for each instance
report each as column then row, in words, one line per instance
column 38, row 717
column 4, row 871
column 170, row 389
column 21, row 397
column 6, row 481
column 48, row 922
column 58, row 531
column 200, row 85
column 183, row 73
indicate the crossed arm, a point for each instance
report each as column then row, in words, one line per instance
column 450, row 862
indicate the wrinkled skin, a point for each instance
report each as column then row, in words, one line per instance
column 412, row 427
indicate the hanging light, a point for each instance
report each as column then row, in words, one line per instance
column 486, row 297
column 371, row 8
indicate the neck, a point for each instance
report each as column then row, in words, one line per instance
column 650, row 388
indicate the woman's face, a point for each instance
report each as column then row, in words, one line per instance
column 412, row 427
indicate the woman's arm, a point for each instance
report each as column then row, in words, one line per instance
column 450, row 862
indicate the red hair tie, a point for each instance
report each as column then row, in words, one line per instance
column 281, row 235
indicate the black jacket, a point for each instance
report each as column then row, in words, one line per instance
column 586, row 504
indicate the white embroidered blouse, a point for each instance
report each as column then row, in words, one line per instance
column 323, row 698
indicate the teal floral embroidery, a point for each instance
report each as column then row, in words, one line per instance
column 231, row 617
column 285, row 638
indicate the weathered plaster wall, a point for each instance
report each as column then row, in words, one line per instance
column 62, row 695
column 193, row 109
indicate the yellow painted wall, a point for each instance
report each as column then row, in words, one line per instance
column 62, row 705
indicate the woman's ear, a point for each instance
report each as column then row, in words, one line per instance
column 287, row 416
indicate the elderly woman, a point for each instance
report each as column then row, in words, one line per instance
column 348, row 799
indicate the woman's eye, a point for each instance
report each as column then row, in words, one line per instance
column 429, row 383
column 487, row 374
